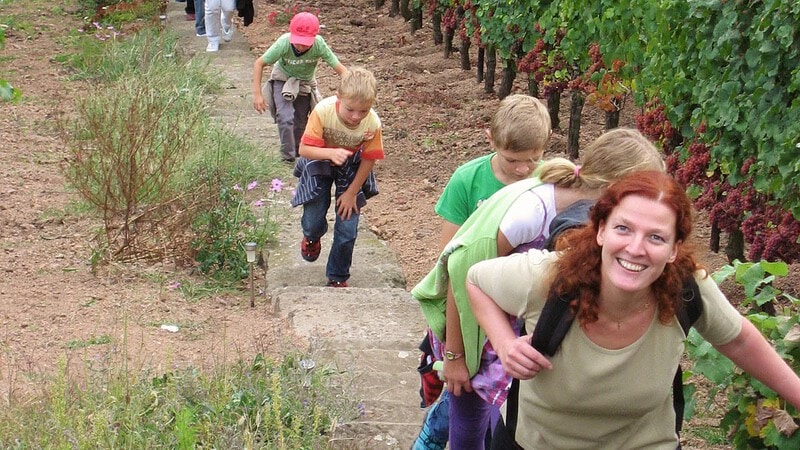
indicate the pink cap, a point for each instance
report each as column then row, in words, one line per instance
column 303, row 29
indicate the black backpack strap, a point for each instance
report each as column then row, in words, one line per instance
column 512, row 409
column 512, row 405
column 553, row 324
column 687, row 312
column 691, row 305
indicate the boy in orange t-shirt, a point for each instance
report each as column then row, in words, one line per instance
column 339, row 148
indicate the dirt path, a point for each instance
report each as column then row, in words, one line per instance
column 367, row 332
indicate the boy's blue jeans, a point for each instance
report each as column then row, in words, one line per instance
column 315, row 224
column 436, row 427
column 200, row 16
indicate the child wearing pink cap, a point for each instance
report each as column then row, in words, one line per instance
column 291, row 90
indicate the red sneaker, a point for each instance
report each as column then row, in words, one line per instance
column 309, row 249
column 336, row 284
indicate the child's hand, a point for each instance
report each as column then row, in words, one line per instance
column 456, row 377
column 346, row 205
column 258, row 103
column 339, row 156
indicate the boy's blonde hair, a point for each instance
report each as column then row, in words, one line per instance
column 521, row 123
column 610, row 157
column 358, row 84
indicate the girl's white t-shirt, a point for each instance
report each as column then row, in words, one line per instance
column 529, row 217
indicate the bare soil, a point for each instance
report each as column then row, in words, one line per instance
column 52, row 306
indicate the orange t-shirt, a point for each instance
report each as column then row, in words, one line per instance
column 324, row 129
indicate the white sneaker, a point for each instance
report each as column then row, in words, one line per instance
column 212, row 47
column 227, row 35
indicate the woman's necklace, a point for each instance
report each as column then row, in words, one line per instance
column 637, row 312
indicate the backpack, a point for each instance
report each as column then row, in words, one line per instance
column 575, row 215
column 556, row 318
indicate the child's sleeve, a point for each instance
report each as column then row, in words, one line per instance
column 526, row 220
column 313, row 135
column 452, row 204
column 274, row 52
column 326, row 53
column 373, row 148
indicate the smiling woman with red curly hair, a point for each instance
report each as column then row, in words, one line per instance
column 609, row 385
column 586, row 256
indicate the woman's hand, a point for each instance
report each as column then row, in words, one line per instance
column 521, row 360
column 456, row 376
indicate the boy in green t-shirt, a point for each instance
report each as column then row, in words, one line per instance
column 518, row 135
column 292, row 83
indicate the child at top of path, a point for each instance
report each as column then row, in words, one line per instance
column 341, row 143
column 291, row 90
column 218, row 22
column 517, row 135
column 516, row 217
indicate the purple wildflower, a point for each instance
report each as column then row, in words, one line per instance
column 277, row 185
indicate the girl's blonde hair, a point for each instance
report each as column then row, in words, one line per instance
column 358, row 84
column 610, row 157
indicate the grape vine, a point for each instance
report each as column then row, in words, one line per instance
column 718, row 82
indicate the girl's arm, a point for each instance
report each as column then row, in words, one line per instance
column 449, row 229
column 503, row 246
column 456, row 374
column 519, row 358
column 750, row 351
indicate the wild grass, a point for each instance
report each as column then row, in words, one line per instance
column 260, row 403
column 166, row 178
